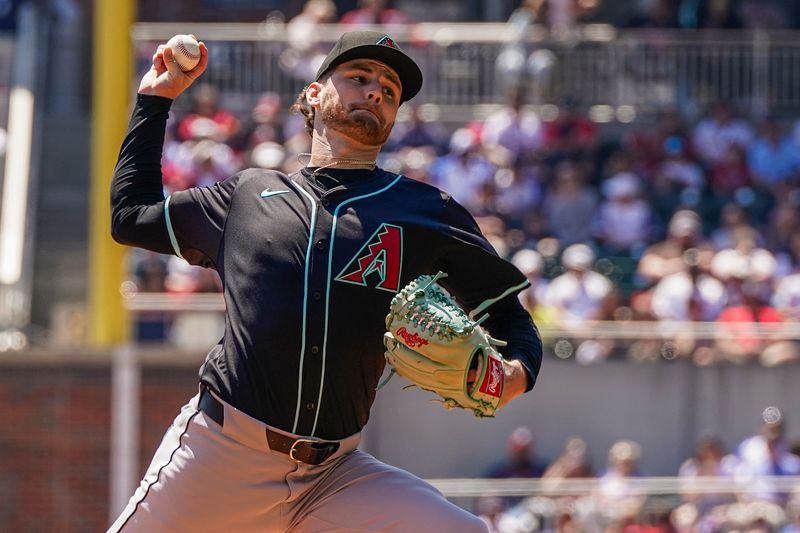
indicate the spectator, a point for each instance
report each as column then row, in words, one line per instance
column 735, row 228
column 767, row 454
column 416, row 133
column 211, row 162
column 730, row 173
column 516, row 65
column 208, row 120
column 580, row 294
column 374, row 12
column 496, row 232
column 624, row 221
column 572, row 462
column 784, row 225
column 514, row 128
column 691, row 294
column 571, row 135
column 149, row 270
column 265, row 123
column 743, row 328
column 650, row 144
column 520, row 460
column 709, row 460
column 616, row 500
column 464, row 172
column 786, row 298
column 744, row 263
column 678, row 173
column 516, row 192
column 715, row 134
column 569, row 208
column 306, row 53
column 773, row 156
column 667, row 257
column 530, row 263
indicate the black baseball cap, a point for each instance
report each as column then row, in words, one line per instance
column 378, row 46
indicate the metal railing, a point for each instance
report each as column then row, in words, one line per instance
column 645, row 486
column 175, row 303
column 589, row 505
column 468, row 67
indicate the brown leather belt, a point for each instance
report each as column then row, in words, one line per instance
column 303, row 449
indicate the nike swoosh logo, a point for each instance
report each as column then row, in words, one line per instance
column 266, row 193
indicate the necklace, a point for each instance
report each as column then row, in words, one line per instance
column 360, row 162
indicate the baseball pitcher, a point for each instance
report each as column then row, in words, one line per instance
column 329, row 273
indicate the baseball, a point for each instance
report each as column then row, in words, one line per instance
column 186, row 51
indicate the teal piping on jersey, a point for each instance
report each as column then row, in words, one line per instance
column 170, row 231
column 311, row 225
column 328, row 289
column 490, row 301
column 266, row 193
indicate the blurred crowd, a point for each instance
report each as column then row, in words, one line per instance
column 658, row 220
column 746, row 497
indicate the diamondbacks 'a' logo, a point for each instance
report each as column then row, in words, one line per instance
column 387, row 41
column 381, row 255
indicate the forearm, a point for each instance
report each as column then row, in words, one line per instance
column 137, row 196
column 508, row 321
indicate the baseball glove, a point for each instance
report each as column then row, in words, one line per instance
column 434, row 343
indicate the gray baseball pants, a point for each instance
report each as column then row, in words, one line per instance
column 207, row 477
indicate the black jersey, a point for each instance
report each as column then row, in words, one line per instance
column 308, row 271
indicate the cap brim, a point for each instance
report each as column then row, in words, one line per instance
column 407, row 70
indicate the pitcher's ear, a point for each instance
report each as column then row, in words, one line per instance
column 313, row 93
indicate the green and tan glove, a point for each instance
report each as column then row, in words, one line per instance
column 434, row 344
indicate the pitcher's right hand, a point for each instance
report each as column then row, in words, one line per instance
column 165, row 78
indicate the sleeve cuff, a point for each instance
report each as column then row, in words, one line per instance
column 153, row 102
column 528, row 371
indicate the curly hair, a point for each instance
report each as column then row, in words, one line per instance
column 301, row 106
column 304, row 108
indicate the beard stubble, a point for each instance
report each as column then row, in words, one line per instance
column 370, row 131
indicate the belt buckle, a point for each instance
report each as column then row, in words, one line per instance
column 294, row 445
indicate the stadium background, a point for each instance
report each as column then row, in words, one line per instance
column 99, row 348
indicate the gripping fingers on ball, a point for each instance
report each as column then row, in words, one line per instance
column 158, row 57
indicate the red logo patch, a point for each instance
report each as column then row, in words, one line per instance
column 412, row 340
column 493, row 379
column 387, row 41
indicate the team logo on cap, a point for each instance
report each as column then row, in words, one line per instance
column 387, row 41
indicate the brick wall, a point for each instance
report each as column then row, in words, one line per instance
column 54, row 436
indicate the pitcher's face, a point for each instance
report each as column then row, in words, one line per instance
column 360, row 100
